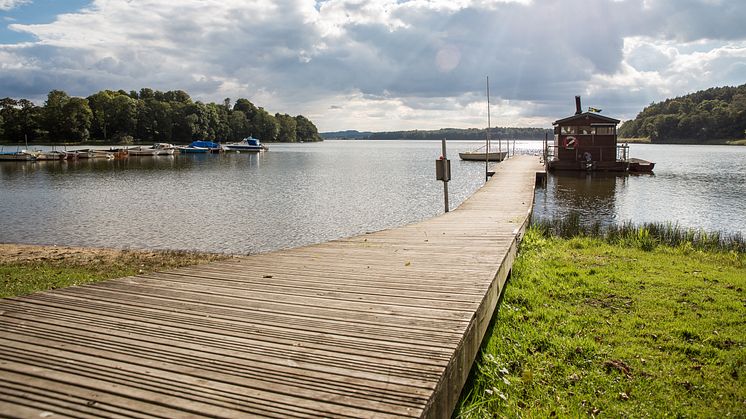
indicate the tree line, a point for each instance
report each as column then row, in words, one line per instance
column 148, row 116
column 475, row 134
column 715, row 113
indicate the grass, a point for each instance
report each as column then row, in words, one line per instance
column 588, row 327
column 646, row 236
column 25, row 276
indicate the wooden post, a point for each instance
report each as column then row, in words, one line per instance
column 487, row 146
column 445, row 182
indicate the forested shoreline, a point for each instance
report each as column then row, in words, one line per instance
column 717, row 113
column 145, row 116
column 472, row 134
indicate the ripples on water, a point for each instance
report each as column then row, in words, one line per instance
column 299, row 194
column 294, row 194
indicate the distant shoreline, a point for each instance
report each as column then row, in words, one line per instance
column 685, row 141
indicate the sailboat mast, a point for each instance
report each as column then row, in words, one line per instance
column 487, row 146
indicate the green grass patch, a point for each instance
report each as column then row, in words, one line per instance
column 589, row 328
column 21, row 277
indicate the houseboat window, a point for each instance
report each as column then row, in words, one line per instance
column 568, row 130
column 605, row 130
column 584, row 130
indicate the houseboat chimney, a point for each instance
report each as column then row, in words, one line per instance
column 577, row 106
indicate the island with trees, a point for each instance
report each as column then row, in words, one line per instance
column 145, row 116
column 715, row 115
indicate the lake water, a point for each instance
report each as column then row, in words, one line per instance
column 298, row 194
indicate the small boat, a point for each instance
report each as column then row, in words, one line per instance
column 118, row 153
column 247, row 144
column 640, row 166
column 84, row 154
column 164, row 149
column 22, row 155
column 142, row 151
column 101, row 154
column 482, row 156
column 213, row 147
column 190, row 149
column 50, row 155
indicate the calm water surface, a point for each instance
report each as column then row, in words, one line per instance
column 702, row 187
column 298, row 194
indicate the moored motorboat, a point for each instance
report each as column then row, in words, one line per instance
column 142, row 151
column 190, row 149
column 50, row 155
column 247, row 144
column 164, row 149
column 213, row 147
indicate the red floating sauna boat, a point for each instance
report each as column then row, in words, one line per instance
column 587, row 141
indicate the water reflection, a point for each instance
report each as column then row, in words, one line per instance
column 297, row 194
column 591, row 195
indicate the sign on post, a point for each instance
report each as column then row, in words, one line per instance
column 443, row 169
column 443, row 172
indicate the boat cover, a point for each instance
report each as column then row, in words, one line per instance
column 204, row 144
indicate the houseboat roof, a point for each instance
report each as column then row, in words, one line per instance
column 586, row 116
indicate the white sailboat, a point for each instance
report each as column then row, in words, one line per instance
column 484, row 153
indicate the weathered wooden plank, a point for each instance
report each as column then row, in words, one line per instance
column 385, row 324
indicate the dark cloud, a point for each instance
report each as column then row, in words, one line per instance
column 431, row 58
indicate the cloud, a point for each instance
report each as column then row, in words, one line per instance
column 390, row 64
column 6, row 5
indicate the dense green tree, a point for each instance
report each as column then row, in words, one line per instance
column 238, row 126
column 100, row 104
column 122, row 115
column 54, row 114
column 77, row 118
column 287, row 128
column 148, row 115
column 245, row 106
column 716, row 113
column 9, row 115
column 154, row 120
column 305, row 130
column 147, row 93
column 264, row 126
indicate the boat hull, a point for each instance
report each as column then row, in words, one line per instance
column 239, row 148
column 477, row 156
column 19, row 156
column 193, row 150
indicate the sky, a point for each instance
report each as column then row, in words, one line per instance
column 381, row 65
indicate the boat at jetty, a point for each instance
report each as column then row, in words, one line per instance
column 247, row 144
column 190, row 149
column 210, row 145
column 587, row 141
column 164, row 149
column 640, row 166
column 484, row 153
column 50, row 155
column 21, row 155
column 142, row 151
column 477, row 155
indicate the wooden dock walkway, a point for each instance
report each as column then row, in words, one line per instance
column 385, row 324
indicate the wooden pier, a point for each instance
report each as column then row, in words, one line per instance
column 385, row 324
